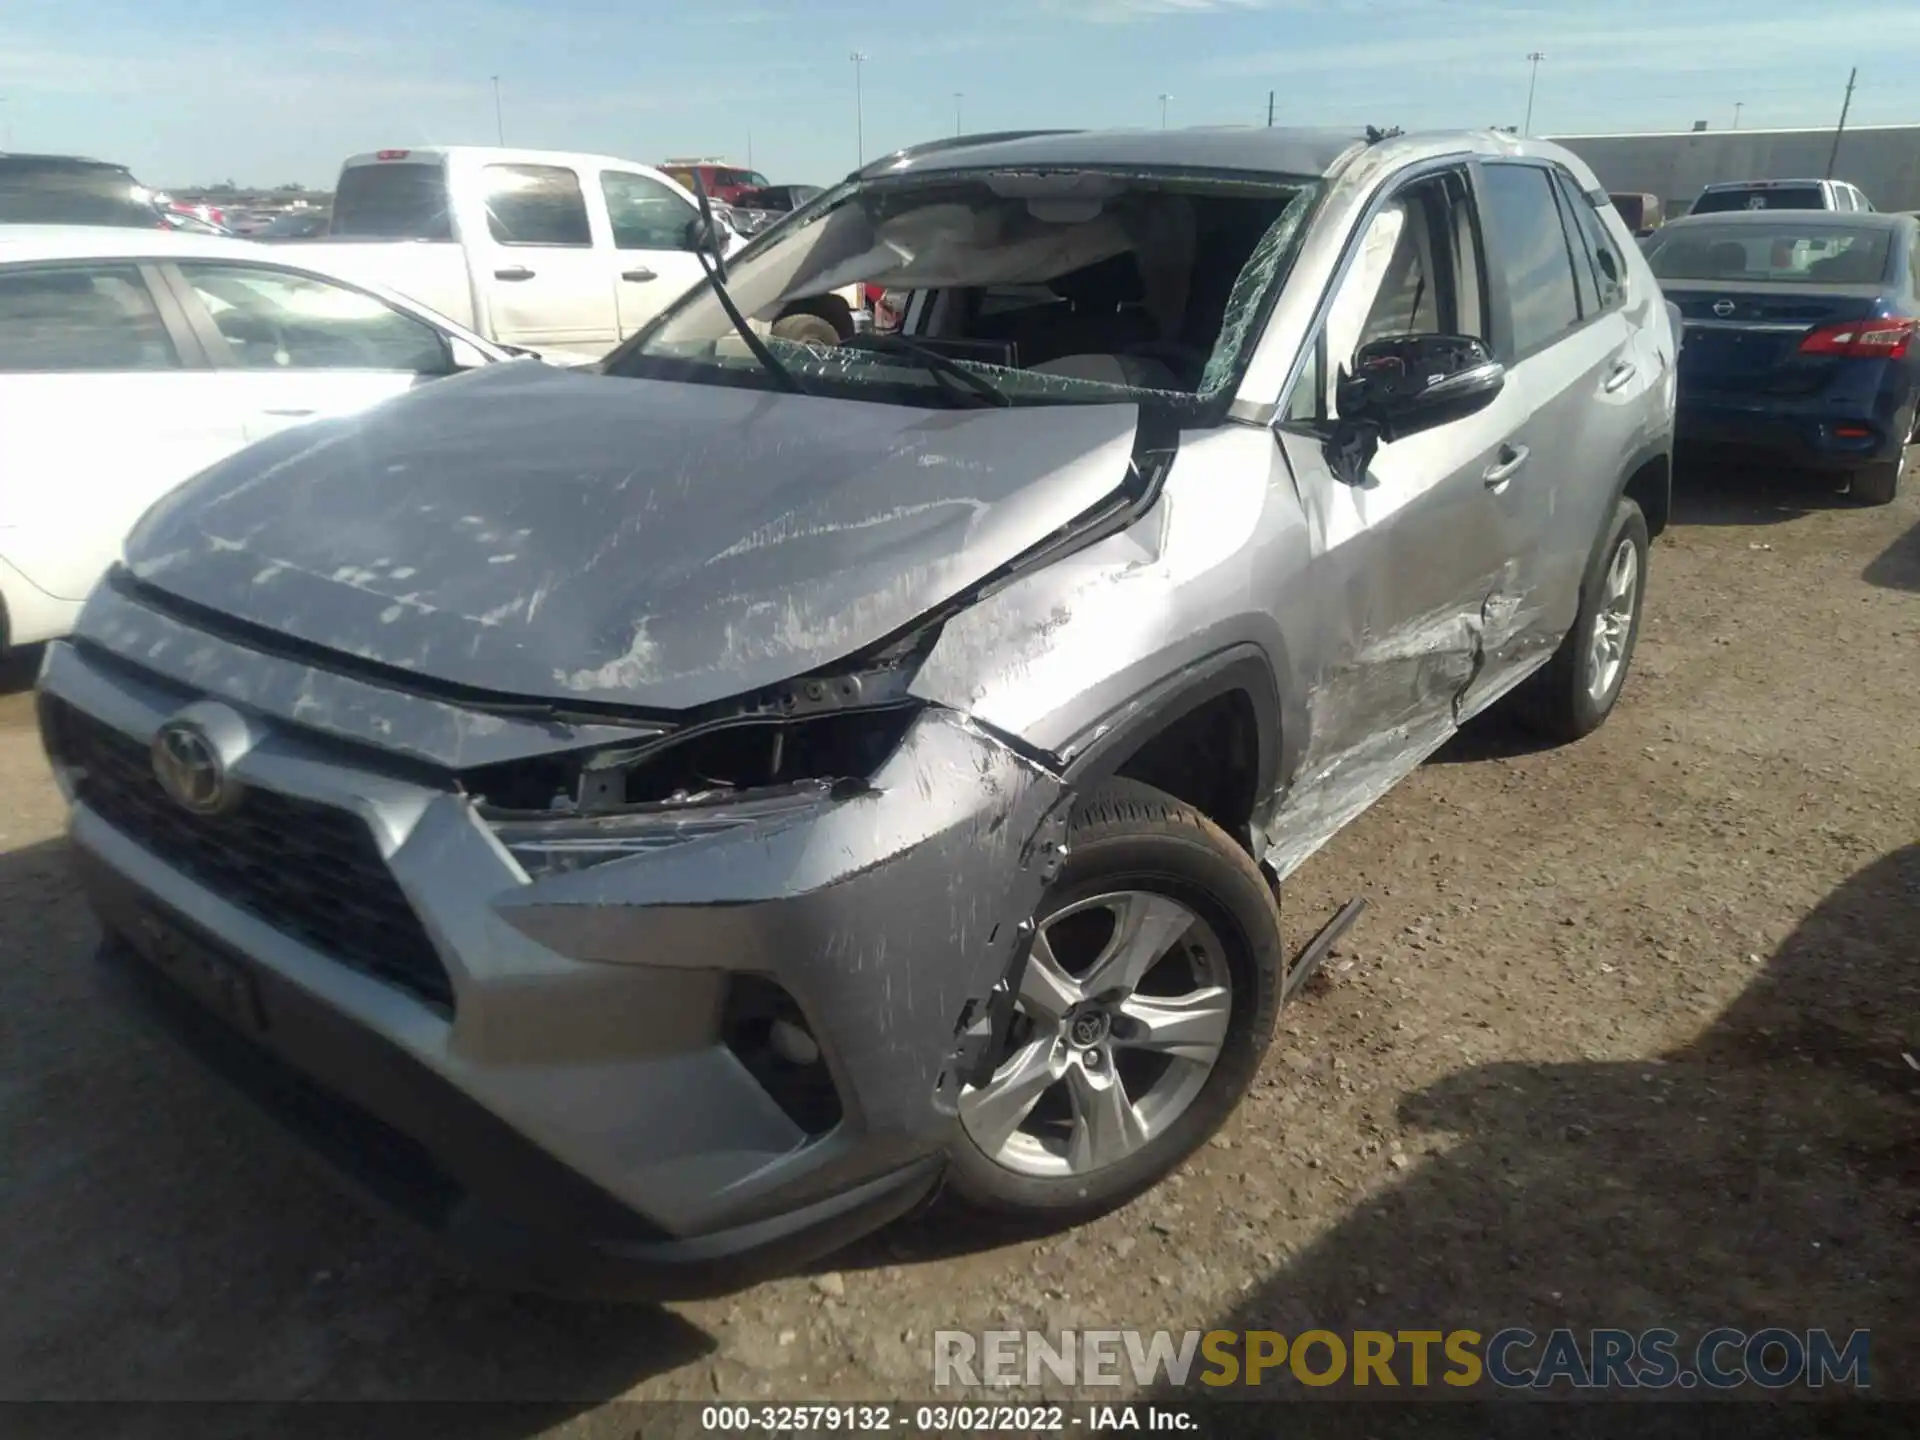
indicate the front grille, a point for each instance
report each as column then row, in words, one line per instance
column 309, row 870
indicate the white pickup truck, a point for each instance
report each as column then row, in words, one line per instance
column 561, row 253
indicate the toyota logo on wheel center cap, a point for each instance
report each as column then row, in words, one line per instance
column 190, row 769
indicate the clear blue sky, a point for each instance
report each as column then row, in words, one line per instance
column 191, row 91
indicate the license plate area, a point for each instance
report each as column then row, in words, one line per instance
column 218, row 981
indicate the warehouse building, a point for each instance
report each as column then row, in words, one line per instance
column 1883, row 160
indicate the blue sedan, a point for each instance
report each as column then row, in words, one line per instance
column 1800, row 336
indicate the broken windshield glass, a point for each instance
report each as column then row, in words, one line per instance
column 1049, row 287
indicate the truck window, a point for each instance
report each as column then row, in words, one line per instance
column 392, row 201
column 1776, row 197
column 646, row 215
column 536, row 205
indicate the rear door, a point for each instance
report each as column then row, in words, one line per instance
column 652, row 263
column 1570, row 353
column 293, row 347
column 548, row 286
column 108, row 404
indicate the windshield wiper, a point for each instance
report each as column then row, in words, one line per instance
column 942, row 368
column 713, row 263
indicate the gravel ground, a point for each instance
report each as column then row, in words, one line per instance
column 1619, row 1043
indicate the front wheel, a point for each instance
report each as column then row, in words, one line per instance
column 1146, row 1006
column 1572, row 695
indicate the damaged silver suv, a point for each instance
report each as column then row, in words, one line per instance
column 652, row 824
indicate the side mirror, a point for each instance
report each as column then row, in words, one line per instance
column 1402, row 386
column 464, row 355
column 1413, row 383
column 706, row 235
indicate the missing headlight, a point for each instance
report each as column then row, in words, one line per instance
column 698, row 766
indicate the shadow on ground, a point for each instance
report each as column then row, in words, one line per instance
column 19, row 668
column 1765, row 1175
column 1898, row 567
column 1729, row 488
column 168, row 1246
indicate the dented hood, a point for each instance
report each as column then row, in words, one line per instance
column 580, row 537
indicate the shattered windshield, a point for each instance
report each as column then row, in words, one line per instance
column 1024, row 288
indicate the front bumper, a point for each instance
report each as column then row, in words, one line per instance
column 573, row 1114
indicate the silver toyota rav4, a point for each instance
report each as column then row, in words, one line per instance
column 652, row 824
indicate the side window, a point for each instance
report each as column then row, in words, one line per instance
column 80, row 318
column 646, row 215
column 1533, row 254
column 1594, row 251
column 1417, row 270
column 283, row 320
column 536, row 205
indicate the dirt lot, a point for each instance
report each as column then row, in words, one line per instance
column 1619, row 1044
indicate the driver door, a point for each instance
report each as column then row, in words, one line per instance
column 294, row 347
column 1412, row 559
column 652, row 264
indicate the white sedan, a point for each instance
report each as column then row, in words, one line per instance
column 132, row 359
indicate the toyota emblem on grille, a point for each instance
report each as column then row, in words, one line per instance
column 1723, row 308
column 190, row 769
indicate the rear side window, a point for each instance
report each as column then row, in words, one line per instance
column 1594, row 246
column 1774, row 197
column 41, row 192
column 80, row 318
column 392, row 201
column 1524, row 221
column 536, row 205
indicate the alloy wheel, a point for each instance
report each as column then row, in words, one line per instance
column 1613, row 621
column 1121, row 1017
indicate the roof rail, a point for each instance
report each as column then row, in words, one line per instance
column 955, row 142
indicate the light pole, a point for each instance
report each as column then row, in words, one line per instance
column 1534, row 56
column 859, row 58
column 499, row 123
column 958, row 96
column 1163, row 110
column 1738, row 106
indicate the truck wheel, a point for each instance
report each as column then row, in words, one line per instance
column 806, row 329
column 1572, row 695
column 1146, row 1006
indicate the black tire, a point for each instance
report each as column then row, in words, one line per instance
column 806, row 328
column 1129, row 835
column 1556, row 701
column 1878, row 483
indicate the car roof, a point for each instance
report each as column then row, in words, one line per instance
column 1259, row 150
column 1767, row 184
column 19, row 243
column 41, row 162
column 1836, row 219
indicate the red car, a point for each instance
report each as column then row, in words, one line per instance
column 724, row 183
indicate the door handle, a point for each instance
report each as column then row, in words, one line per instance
column 291, row 414
column 513, row 272
column 1512, row 459
column 640, row 276
column 1619, row 376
